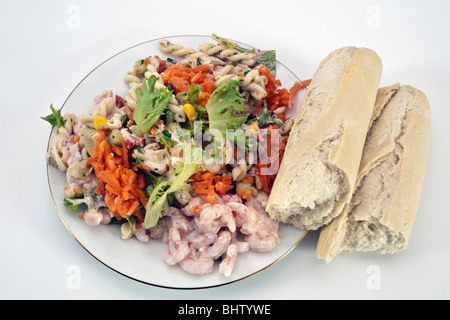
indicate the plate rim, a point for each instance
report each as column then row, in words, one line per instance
column 104, row 263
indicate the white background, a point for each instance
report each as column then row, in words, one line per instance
column 47, row 47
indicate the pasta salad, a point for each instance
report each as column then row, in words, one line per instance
column 186, row 156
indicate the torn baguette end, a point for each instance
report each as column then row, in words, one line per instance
column 382, row 211
column 321, row 160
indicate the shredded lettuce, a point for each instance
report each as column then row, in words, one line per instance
column 159, row 195
column 151, row 104
column 155, row 205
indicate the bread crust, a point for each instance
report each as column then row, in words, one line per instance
column 327, row 138
column 395, row 155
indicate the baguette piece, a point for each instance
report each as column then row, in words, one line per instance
column 381, row 214
column 320, row 165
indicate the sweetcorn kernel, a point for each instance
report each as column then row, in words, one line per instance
column 190, row 111
column 100, row 123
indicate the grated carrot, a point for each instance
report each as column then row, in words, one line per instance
column 122, row 187
column 181, row 77
column 209, row 183
column 275, row 147
column 245, row 194
column 195, row 210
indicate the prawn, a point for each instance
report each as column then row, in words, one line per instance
column 263, row 241
column 194, row 202
column 198, row 239
column 220, row 246
column 241, row 213
column 197, row 262
column 180, row 221
column 227, row 198
column 141, row 234
column 265, row 237
column 160, row 232
column 177, row 250
column 227, row 264
column 242, row 245
column 95, row 217
column 215, row 217
column 262, row 198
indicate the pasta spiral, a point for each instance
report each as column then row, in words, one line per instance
column 134, row 84
column 232, row 55
column 249, row 79
column 175, row 49
column 192, row 57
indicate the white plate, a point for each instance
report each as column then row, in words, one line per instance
column 143, row 261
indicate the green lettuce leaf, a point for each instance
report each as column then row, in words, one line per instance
column 151, row 104
column 73, row 203
column 55, row 118
column 220, row 107
column 230, row 44
column 266, row 117
column 159, row 195
column 155, row 205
